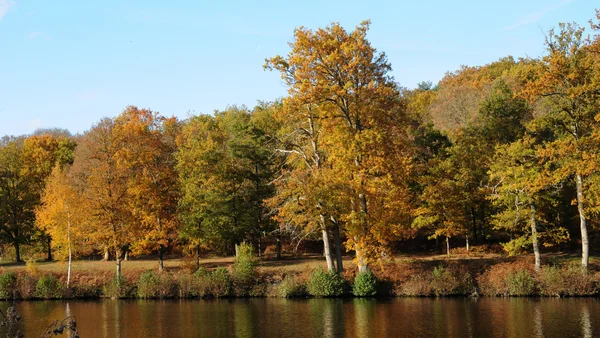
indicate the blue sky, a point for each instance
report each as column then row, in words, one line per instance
column 69, row 63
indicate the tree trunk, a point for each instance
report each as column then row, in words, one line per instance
column 534, row 239
column 106, row 255
column 69, row 244
column 118, row 258
column 126, row 256
column 585, row 245
column 17, row 251
column 161, row 264
column 447, row 246
column 467, row 238
column 197, row 257
column 338, row 248
column 326, row 246
column 237, row 250
column 259, row 245
column 49, row 248
column 360, row 259
column 278, row 248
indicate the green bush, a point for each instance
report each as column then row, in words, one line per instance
column 521, row 283
column 570, row 281
column 48, row 287
column 8, row 285
column 148, row 285
column 291, row 287
column 325, row 284
column 365, row 284
column 212, row 284
column 116, row 288
column 244, row 274
column 419, row 285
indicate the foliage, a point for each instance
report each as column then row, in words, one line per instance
column 244, row 276
column 365, row 284
column 48, row 287
column 8, row 285
column 325, row 284
column 118, row 287
column 290, row 287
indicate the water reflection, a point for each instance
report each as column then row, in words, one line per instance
column 410, row 317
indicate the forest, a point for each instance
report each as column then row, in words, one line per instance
column 505, row 153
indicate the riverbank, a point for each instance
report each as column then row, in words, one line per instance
column 423, row 276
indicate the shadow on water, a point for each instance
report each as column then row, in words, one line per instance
column 402, row 317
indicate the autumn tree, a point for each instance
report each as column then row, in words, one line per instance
column 567, row 90
column 147, row 153
column 348, row 84
column 521, row 190
column 62, row 215
column 105, row 185
column 41, row 153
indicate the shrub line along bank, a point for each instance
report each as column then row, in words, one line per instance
column 243, row 280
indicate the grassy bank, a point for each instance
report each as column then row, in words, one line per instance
column 423, row 276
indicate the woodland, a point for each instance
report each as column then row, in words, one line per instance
column 506, row 153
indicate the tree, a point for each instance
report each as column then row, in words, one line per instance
column 41, row 153
column 568, row 89
column 104, row 185
column 17, row 198
column 225, row 166
column 521, row 190
column 147, row 152
column 348, row 84
column 62, row 216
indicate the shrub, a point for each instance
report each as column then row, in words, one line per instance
column 365, row 284
column 212, row 284
column 521, row 283
column 26, row 286
column 446, row 282
column 118, row 287
column 187, row 286
column 8, row 285
column 244, row 274
column 48, row 287
column 325, row 284
column 418, row 285
column 570, row 281
column 148, row 285
column 507, row 279
column 291, row 287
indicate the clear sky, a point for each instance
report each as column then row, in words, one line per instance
column 69, row 63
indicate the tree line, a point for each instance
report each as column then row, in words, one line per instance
column 505, row 152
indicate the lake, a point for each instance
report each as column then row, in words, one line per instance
column 267, row 317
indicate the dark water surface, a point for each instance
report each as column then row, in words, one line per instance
column 402, row 317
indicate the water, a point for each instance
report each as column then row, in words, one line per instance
column 401, row 317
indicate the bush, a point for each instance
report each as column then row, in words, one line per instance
column 8, row 285
column 365, row 284
column 212, row 284
column 244, row 274
column 291, row 287
column 148, row 285
column 447, row 282
column 26, row 286
column 116, row 288
column 419, row 285
column 507, row 279
column 48, row 287
column 325, row 284
column 521, row 283
column 571, row 281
